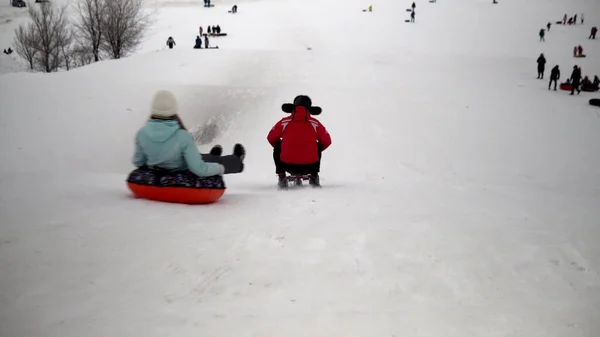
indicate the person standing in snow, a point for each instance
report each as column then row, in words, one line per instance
column 593, row 32
column 198, row 44
column 542, row 34
column 234, row 9
column 164, row 143
column 549, row 25
column 554, row 76
column 575, row 19
column 565, row 19
column 170, row 42
column 582, row 18
column 575, row 80
column 412, row 16
column 579, row 50
column 218, row 28
column 200, row 30
column 206, row 42
column 541, row 61
column 208, row 30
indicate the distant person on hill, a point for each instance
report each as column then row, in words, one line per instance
column 170, row 42
column 596, row 83
column 412, row 16
column 549, row 25
column 565, row 19
column 206, row 45
column 554, row 77
column 200, row 30
column 542, row 34
column 541, row 61
column 575, row 80
column 218, row 29
column 575, row 19
column 579, row 50
column 570, row 22
column 163, row 143
column 593, row 32
column 8, row 51
column 208, row 30
column 198, row 44
column 582, row 18
column 234, row 9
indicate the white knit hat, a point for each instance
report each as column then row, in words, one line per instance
column 164, row 104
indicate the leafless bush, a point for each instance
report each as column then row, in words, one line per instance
column 91, row 15
column 26, row 42
column 123, row 26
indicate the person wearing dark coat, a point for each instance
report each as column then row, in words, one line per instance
column 542, row 34
column 171, row 42
column 218, row 29
column 234, row 9
column 593, row 33
column 198, row 44
column 575, row 19
column 206, row 41
column 541, row 61
column 554, row 77
column 575, row 80
column 596, row 82
column 412, row 16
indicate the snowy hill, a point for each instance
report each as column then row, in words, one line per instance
column 460, row 196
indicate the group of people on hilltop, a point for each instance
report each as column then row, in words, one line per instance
column 575, row 81
column 210, row 30
column 572, row 20
column 8, row 51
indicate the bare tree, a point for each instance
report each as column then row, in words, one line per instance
column 91, row 15
column 123, row 26
column 82, row 55
column 52, row 30
column 26, row 43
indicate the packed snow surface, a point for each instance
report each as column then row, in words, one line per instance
column 460, row 197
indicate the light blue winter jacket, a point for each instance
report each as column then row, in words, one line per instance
column 162, row 143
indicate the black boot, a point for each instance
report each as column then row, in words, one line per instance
column 314, row 181
column 282, row 183
column 240, row 151
column 217, row 150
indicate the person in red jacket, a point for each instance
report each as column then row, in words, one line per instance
column 298, row 141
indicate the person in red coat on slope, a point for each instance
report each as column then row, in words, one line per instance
column 298, row 141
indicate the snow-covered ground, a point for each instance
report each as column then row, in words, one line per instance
column 460, row 197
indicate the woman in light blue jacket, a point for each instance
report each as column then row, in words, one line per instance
column 165, row 143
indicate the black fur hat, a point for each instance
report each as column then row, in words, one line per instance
column 302, row 100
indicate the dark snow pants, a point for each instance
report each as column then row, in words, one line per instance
column 232, row 163
column 541, row 72
column 550, row 84
column 575, row 86
column 281, row 167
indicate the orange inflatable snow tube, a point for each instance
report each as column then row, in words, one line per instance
column 182, row 195
column 179, row 187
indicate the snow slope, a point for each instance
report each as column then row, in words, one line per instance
column 460, row 196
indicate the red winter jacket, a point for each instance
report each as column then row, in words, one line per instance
column 299, row 134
